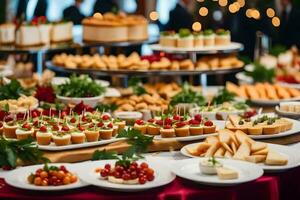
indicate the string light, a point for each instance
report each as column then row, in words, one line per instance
column 241, row 3
column 233, row 8
column 203, row 11
column 255, row 14
column 197, row 26
column 270, row 12
column 223, row 3
column 153, row 15
column 98, row 15
column 249, row 13
column 276, row 21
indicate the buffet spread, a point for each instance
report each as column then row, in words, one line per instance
column 225, row 132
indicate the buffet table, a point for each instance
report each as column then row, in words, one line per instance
column 277, row 186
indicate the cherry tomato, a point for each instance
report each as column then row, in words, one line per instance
column 142, row 180
column 73, row 179
column 37, row 181
column 144, row 165
column 43, row 174
column 67, row 180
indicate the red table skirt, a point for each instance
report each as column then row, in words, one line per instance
column 280, row 186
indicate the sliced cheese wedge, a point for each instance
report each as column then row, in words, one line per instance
column 256, row 158
column 227, row 154
column 212, row 149
column 274, row 158
column 224, row 136
column 261, row 152
column 243, row 151
column 220, row 152
column 226, row 173
column 257, row 146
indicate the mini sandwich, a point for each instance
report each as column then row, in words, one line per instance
column 185, row 39
column 77, row 137
column 209, row 127
column 61, row 139
column 182, row 129
column 141, row 126
column 223, row 37
column 195, row 127
column 152, row 127
column 198, row 39
column 92, row 133
column 106, row 131
column 167, row 131
column 24, row 131
column 9, row 129
column 209, row 37
column 168, row 39
column 43, row 136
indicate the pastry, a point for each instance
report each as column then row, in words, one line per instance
column 167, row 131
column 43, row 136
column 208, row 38
column 182, row 129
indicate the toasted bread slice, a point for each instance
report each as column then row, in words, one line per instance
column 227, row 147
column 257, row 146
column 224, row 136
column 202, row 147
column 212, row 139
column 212, row 149
column 228, row 154
column 192, row 151
column 241, row 137
column 271, row 129
column 255, row 130
column 261, row 152
column 220, row 152
column 233, row 147
column 274, row 158
column 243, row 151
column 256, row 158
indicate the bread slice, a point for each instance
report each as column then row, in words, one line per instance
column 233, row 147
column 224, row 136
column 243, row 151
column 261, row 152
column 242, row 137
column 212, row 139
column 271, row 129
column 257, row 146
column 228, row 154
column 274, row 158
column 255, row 130
column 192, row 151
column 256, row 158
column 212, row 149
column 233, row 137
column 202, row 147
column 220, row 152
column 227, row 147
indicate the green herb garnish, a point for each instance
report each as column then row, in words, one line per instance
column 12, row 90
column 261, row 74
column 184, row 32
column 223, row 96
column 208, row 32
column 80, row 86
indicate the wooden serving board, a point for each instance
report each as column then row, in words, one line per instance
column 84, row 154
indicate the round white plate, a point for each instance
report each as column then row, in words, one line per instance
column 291, row 153
column 18, row 178
column 53, row 147
column 189, row 169
column 219, row 124
column 87, row 173
column 233, row 46
column 61, row 80
column 292, row 115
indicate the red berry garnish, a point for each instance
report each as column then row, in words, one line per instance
column 55, row 128
column 100, row 124
column 168, row 126
column 34, row 114
column 151, row 120
column 26, row 126
column 65, row 128
column 134, row 164
column 43, row 129
column 194, row 122
column 208, row 123
column 110, row 125
column 180, row 124
column 168, row 121
column 91, row 126
column 176, row 117
column 73, row 120
column 104, row 172
column 144, row 165
column 107, row 166
column 198, row 117
column 142, row 180
column 105, row 117
column 81, row 128
column 35, row 123
column 139, row 122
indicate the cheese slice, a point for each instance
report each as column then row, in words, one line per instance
column 257, row 146
column 242, row 152
column 233, row 147
column 192, row 151
column 224, row 136
column 212, row 149
column 203, row 147
column 220, row 152
column 274, row 158
column 241, row 137
column 227, row 147
column 256, row 158
column 226, row 173
column 261, row 152
column 227, row 154
column 212, row 139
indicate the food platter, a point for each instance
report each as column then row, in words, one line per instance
column 51, row 66
column 18, row 178
column 86, row 172
column 231, row 48
column 291, row 153
column 189, row 169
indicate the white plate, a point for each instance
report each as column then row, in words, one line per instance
column 61, row 80
column 87, row 173
column 291, row 153
column 272, row 102
column 18, row 178
column 189, row 169
column 219, row 124
column 53, row 147
column 293, row 115
column 230, row 47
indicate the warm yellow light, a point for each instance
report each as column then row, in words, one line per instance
column 153, row 15
column 98, row 15
column 233, row 8
column 241, row 3
column 276, row 21
column 270, row 12
column 249, row 13
column 203, row 11
column 255, row 14
column 223, row 3
column 196, row 26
